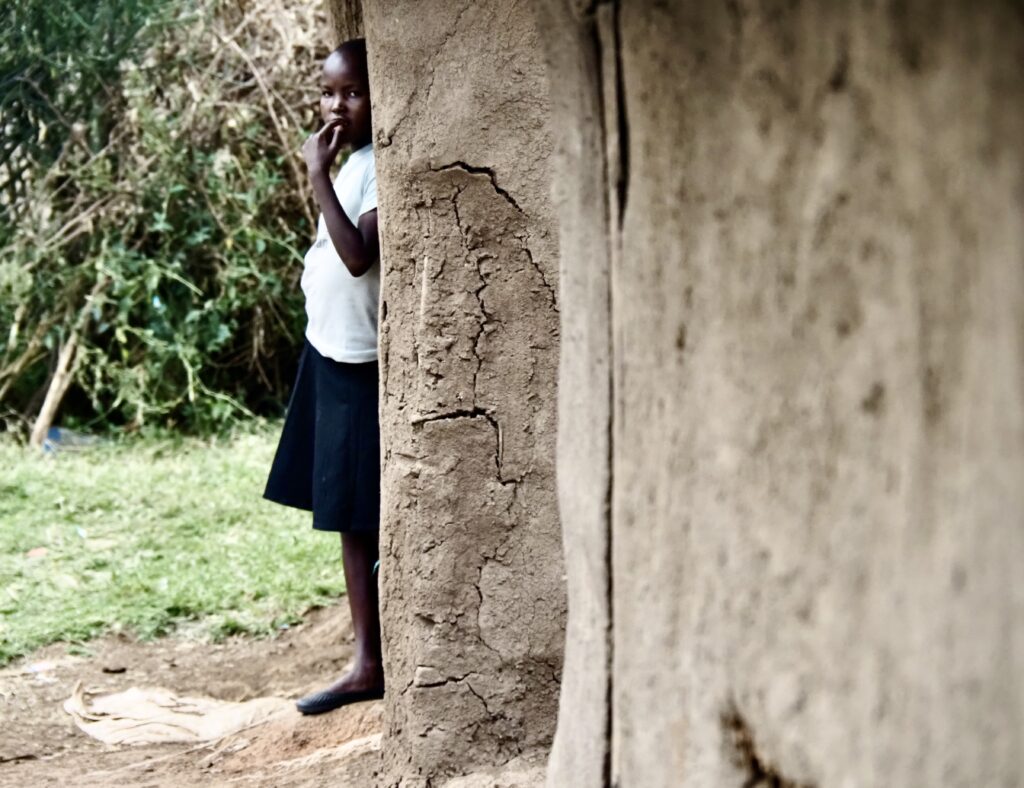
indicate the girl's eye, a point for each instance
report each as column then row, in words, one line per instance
column 325, row 94
column 353, row 94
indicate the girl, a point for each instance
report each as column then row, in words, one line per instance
column 328, row 460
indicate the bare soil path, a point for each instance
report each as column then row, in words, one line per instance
column 40, row 746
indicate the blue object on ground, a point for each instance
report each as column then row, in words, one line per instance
column 61, row 439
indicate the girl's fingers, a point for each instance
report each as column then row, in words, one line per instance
column 330, row 125
column 334, row 143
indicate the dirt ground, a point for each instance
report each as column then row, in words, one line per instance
column 40, row 746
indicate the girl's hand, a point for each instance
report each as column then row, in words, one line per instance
column 322, row 148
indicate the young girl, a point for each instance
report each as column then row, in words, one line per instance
column 328, row 460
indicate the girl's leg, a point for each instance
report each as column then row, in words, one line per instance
column 360, row 552
column 366, row 678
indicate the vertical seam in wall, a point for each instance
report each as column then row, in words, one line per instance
column 620, row 187
column 615, row 181
column 606, row 766
column 610, row 492
column 609, row 508
column 613, row 242
column 622, row 184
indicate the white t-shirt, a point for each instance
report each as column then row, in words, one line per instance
column 342, row 309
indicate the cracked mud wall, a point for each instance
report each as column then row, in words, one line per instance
column 473, row 596
column 815, row 249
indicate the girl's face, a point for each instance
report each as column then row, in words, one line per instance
column 345, row 96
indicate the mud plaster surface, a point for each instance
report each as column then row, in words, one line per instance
column 473, row 597
column 817, row 266
column 580, row 177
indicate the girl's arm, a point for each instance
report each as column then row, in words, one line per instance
column 358, row 247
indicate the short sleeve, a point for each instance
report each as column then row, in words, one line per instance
column 369, row 201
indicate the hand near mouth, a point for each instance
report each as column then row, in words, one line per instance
column 322, row 147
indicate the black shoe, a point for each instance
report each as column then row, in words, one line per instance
column 319, row 702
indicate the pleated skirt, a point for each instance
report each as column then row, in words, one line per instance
column 328, row 458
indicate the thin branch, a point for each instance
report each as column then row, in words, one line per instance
column 63, row 375
column 300, row 181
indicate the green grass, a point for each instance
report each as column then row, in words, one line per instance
column 148, row 536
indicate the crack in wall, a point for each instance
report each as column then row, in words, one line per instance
column 482, row 699
column 478, row 293
column 524, row 244
column 477, row 258
column 476, row 170
column 475, row 413
column 552, row 295
column 442, row 680
column 455, row 25
column 385, row 139
column 451, row 415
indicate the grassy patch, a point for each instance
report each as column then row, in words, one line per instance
column 145, row 536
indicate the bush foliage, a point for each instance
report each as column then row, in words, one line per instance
column 153, row 209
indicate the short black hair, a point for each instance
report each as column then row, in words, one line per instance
column 354, row 48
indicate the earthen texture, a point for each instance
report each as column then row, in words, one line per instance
column 816, row 245
column 472, row 577
column 346, row 18
column 581, row 747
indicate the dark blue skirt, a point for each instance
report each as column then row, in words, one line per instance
column 328, row 459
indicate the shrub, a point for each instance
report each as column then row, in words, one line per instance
column 154, row 210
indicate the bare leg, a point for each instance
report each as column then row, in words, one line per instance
column 359, row 553
column 366, row 678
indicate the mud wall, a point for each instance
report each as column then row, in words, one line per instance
column 799, row 541
column 473, row 592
